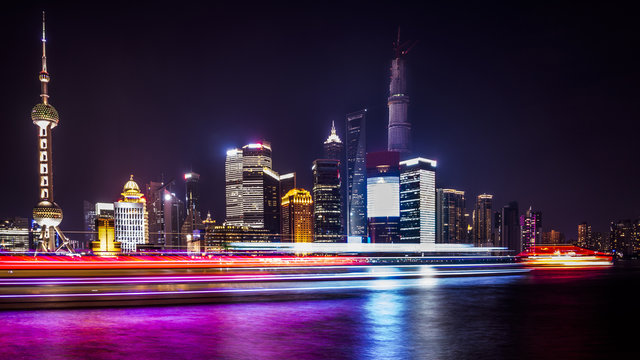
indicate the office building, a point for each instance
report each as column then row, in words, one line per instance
column 131, row 218
column 399, row 130
column 255, row 158
column 383, row 196
column 192, row 228
column 356, row 196
column 287, row 182
column 624, row 237
column 418, row 201
column 553, row 237
column 530, row 229
column 297, row 216
column 584, row 236
column 450, row 217
column 106, row 244
column 327, row 204
column 510, row 228
column 233, row 184
column 14, row 234
column 482, row 220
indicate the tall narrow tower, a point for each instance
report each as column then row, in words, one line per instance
column 47, row 213
column 399, row 126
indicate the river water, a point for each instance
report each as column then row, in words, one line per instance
column 544, row 314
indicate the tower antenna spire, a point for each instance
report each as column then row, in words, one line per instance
column 44, row 75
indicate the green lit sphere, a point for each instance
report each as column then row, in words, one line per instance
column 44, row 112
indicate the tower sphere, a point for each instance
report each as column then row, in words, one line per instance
column 47, row 213
column 44, row 112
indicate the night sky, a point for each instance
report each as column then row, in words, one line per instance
column 531, row 102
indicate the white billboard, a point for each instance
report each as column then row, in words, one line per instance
column 383, row 196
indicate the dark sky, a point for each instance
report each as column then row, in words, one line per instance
column 532, row 101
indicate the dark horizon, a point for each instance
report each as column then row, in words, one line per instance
column 528, row 102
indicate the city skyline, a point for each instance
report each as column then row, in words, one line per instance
column 181, row 138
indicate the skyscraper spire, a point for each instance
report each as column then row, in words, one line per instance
column 44, row 75
column 399, row 130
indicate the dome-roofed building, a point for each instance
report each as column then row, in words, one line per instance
column 131, row 217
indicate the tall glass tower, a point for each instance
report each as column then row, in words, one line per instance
column 356, row 174
column 46, row 213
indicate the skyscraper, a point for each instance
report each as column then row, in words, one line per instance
column 625, row 237
column 482, row 220
column 174, row 215
column 584, row 236
column 46, row 213
column 450, row 222
column 255, row 158
column 89, row 223
column 510, row 227
column 233, row 183
column 271, row 200
column 398, row 102
column 333, row 147
column 192, row 227
column 297, row 216
column 327, row 205
column 531, row 228
column 356, row 174
column 131, row 218
column 383, row 196
column 418, row 201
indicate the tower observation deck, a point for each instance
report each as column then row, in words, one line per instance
column 46, row 213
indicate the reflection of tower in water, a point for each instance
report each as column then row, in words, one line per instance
column 46, row 213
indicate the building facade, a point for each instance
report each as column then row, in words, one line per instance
column 624, row 236
column 383, row 196
column 510, row 227
column 450, row 224
column 356, row 196
column 482, row 224
column 418, row 201
column 233, row 187
column 530, row 229
column 297, row 216
column 130, row 217
column 255, row 158
column 327, row 204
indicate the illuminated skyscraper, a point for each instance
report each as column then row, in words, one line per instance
column 327, row 205
column 383, row 196
column 482, row 220
column 450, row 224
column 47, row 213
column 333, row 147
column 192, row 228
column 584, row 236
column 625, row 237
column 418, row 201
column 233, row 182
column 131, row 219
column 174, row 215
column 356, row 174
column 531, row 228
column 14, row 234
column 255, row 158
column 106, row 244
column 399, row 136
column 297, row 216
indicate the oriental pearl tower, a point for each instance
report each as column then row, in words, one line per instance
column 47, row 213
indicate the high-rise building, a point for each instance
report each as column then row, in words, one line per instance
column 510, row 227
column 297, row 216
column 450, row 221
column 174, row 215
column 255, row 158
column 327, row 204
column 530, row 229
column 625, row 237
column 155, row 209
column 482, row 220
column 233, row 183
column 333, row 146
column 271, row 200
column 383, row 196
column 399, row 136
column 418, row 201
column 356, row 196
column 192, row 228
column 584, row 236
column 131, row 218
column 46, row 213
